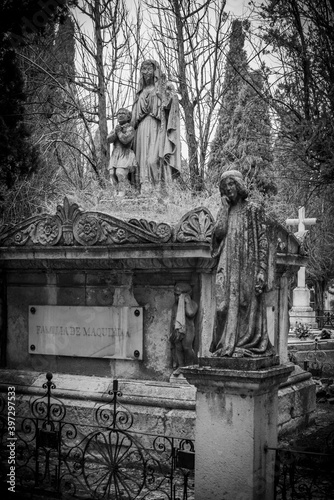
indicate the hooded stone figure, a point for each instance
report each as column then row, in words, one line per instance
column 156, row 119
column 240, row 242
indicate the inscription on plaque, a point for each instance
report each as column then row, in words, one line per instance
column 93, row 332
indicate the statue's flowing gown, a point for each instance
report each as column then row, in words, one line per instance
column 157, row 139
column 241, row 242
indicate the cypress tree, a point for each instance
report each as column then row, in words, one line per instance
column 243, row 136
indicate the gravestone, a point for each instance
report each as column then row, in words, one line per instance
column 301, row 311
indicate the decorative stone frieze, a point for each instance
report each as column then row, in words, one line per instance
column 70, row 226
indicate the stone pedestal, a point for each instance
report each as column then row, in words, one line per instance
column 236, row 419
column 301, row 312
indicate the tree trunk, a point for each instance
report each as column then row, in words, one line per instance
column 188, row 107
column 102, row 102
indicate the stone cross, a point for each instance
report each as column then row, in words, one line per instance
column 301, row 222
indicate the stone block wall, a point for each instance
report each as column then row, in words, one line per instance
column 296, row 402
column 153, row 291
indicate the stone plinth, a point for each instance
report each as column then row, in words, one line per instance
column 301, row 312
column 240, row 363
column 236, row 419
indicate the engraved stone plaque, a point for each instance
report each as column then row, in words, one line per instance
column 91, row 332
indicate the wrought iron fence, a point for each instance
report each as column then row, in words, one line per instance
column 110, row 460
column 105, row 460
column 325, row 317
column 305, row 475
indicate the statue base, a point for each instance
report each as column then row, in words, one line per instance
column 236, row 416
column 227, row 363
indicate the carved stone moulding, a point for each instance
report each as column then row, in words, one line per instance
column 72, row 227
column 149, row 264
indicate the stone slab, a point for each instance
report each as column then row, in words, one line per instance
column 240, row 363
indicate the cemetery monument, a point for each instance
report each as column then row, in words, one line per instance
column 92, row 298
column 301, row 311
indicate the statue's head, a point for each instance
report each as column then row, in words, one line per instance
column 148, row 64
column 228, row 178
column 123, row 115
column 182, row 287
column 149, row 71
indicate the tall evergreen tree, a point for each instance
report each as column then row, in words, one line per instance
column 300, row 36
column 243, row 136
column 236, row 70
column 19, row 22
column 50, row 72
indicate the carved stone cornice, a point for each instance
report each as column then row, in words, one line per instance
column 77, row 236
column 72, row 227
column 162, row 264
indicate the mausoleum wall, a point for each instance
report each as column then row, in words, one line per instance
column 80, row 264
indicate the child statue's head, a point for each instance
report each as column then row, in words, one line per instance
column 123, row 116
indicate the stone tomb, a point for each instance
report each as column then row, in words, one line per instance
column 92, row 262
column 73, row 266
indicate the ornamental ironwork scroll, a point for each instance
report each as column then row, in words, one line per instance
column 304, row 475
column 103, row 459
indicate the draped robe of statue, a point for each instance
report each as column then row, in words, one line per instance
column 155, row 116
column 240, row 241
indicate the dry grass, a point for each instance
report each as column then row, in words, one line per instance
column 43, row 193
column 40, row 196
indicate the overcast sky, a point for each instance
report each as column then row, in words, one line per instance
column 238, row 7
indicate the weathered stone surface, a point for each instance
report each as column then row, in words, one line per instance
column 245, row 272
column 71, row 226
column 240, row 363
column 236, row 415
column 196, row 225
column 296, row 402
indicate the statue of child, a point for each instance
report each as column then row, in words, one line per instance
column 122, row 160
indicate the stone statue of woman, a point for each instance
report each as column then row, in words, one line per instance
column 155, row 117
column 240, row 241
